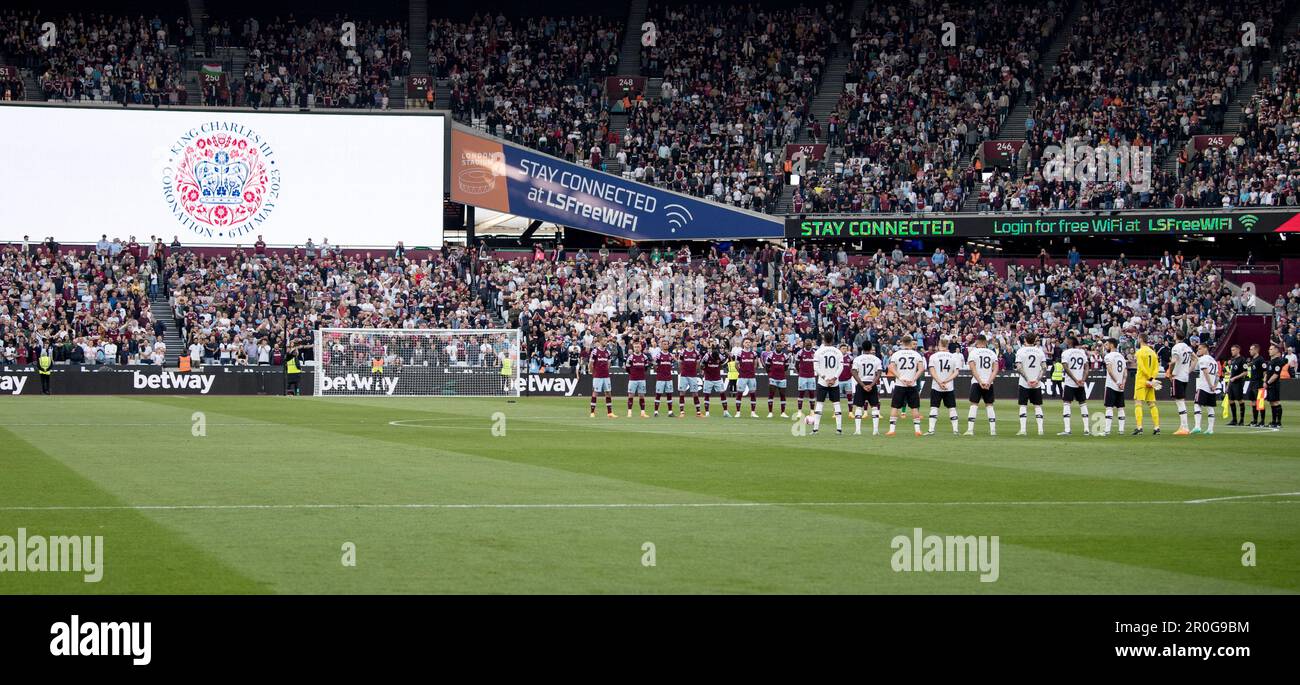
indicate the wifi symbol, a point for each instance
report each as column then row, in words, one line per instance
column 1248, row 220
column 678, row 216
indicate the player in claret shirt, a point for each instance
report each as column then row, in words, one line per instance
column 664, row 377
column 598, row 364
column 805, row 363
column 747, row 384
column 713, row 361
column 637, row 364
column 846, row 375
column 688, row 377
column 777, row 373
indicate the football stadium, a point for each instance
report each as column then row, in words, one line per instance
column 915, row 297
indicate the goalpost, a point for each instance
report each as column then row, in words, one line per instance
column 395, row 362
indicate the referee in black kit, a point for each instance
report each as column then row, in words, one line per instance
column 1273, row 383
column 1237, row 372
column 1255, row 381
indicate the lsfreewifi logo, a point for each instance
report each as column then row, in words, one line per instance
column 74, row 638
column 355, row 382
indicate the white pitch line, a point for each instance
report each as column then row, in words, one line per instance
column 647, row 505
column 1241, row 497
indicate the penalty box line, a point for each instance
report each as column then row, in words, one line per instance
column 1235, row 499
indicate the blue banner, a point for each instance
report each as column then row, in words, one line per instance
column 542, row 187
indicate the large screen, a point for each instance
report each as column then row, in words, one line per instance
column 220, row 177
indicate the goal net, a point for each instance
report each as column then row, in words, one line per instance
column 364, row 362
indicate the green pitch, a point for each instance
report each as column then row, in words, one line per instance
column 453, row 495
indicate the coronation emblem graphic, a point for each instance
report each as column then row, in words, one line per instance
column 221, row 180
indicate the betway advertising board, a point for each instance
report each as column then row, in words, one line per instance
column 143, row 381
column 494, row 174
column 1004, row 387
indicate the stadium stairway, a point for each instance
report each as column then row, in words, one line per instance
column 823, row 105
column 162, row 311
column 1261, row 305
column 629, row 56
column 1013, row 126
column 31, row 87
column 1236, row 112
column 629, row 62
column 417, row 32
column 198, row 13
column 1244, row 329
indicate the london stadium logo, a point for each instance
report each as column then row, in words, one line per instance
column 221, row 180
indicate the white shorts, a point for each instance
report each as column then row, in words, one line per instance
column 636, row 387
column 688, row 384
column 600, row 385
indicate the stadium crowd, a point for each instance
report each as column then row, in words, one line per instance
column 292, row 63
column 97, row 56
column 1264, row 169
column 778, row 297
column 913, row 110
column 250, row 307
column 85, row 307
column 534, row 81
column 738, row 81
column 1167, row 75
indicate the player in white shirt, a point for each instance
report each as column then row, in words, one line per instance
column 827, row 362
column 1116, row 378
column 866, row 375
column 943, row 364
column 908, row 366
column 1031, row 366
column 983, row 364
column 1207, row 387
column 1075, row 360
column 1181, row 361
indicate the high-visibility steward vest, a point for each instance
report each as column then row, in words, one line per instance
column 184, row 363
column 292, row 366
column 733, row 372
column 1058, row 372
column 43, row 365
column 507, row 367
column 377, row 365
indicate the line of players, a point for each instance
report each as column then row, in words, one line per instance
column 831, row 372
